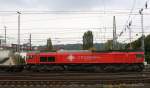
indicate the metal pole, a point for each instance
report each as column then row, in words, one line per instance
column 5, row 35
column 18, row 48
column 30, row 43
column 114, row 33
column 130, row 37
column 18, row 32
column 143, row 36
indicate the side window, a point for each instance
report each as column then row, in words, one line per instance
column 43, row 59
column 51, row 59
column 139, row 55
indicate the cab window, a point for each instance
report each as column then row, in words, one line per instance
column 43, row 59
column 51, row 59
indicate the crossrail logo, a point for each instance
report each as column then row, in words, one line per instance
column 70, row 57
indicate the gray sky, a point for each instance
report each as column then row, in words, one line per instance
column 68, row 27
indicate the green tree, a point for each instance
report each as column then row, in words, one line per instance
column 88, row 40
column 109, row 45
column 137, row 45
column 49, row 44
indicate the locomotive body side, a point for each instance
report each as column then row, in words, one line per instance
column 85, row 58
column 89, row 61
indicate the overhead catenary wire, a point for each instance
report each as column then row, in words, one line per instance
column 68, row 12
column 72, row 12
column 131, row 11
column 126, row 23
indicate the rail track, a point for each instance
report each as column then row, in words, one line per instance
column 68, row 78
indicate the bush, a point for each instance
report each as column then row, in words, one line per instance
column 18, row 59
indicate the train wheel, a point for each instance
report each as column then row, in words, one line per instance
column 98, row 69
column 57, row 68
column 109, row 68
column 140, row 67
column 129, row 68
column 134, row 67
column 33, row 68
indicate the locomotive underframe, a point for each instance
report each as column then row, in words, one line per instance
column 74, row 67
column 86, row 67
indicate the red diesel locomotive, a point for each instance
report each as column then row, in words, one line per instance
column 86, row 60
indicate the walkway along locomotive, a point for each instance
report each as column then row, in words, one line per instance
column 86, row 60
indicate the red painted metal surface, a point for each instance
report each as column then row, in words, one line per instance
column 86, row 57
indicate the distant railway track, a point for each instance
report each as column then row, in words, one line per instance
column 73, row 78
column 54, row 73
column 69, row 73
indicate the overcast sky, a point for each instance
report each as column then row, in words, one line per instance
column 68, row 27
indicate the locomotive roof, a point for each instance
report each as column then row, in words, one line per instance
column 74, row 51
column 84, row 51
column 125, row 50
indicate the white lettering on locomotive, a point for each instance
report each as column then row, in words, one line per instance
column 70, row 57
column 88, row 57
